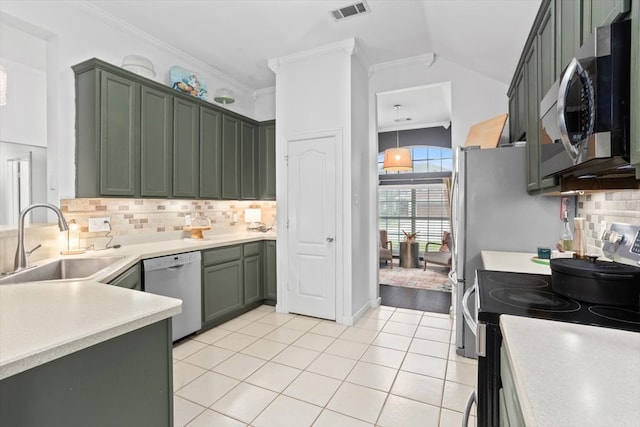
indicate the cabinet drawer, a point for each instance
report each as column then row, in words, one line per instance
column 217, row 256
column 252, row 248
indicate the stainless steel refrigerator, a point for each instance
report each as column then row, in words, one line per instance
column 491, row 210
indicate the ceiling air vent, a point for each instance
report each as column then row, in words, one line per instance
column 351, row 10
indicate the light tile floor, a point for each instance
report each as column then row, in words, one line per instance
column 395, row 367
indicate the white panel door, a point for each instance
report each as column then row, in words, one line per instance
column 312, row 224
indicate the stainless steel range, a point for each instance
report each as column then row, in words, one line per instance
column 531, row 295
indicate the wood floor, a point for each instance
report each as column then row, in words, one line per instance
column 415, row 299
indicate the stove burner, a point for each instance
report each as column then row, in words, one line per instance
column 534, row 299
column 616, row 313
column 516, row 280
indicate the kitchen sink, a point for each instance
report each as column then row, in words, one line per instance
column 67, row 268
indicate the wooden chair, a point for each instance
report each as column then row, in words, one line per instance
column 385, row 248
column 442, row 256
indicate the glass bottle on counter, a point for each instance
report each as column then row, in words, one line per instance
column 566, row 237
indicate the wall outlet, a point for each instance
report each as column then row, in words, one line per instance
column 98, row 224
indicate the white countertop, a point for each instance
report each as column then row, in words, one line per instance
column 42, row 321
column 567, row 374
column 518, row 262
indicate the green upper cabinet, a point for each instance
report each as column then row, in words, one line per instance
column 518, row 107
column 533, row 107
column 230, row 157
column 138, row 138
column 119, row 135
column 267, row 161
column 248, row 162
column 635, row 87
column 156, row 143
column 210, row 153
column 186, row 149
column 596, row 13
column 545, row 41
column 568, row 30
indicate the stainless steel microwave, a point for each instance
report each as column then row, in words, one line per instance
column 584, row 118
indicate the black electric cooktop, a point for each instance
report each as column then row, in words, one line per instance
column 530, row 295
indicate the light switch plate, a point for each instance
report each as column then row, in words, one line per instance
column 98, row 224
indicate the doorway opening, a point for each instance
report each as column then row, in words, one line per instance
column 413, row 206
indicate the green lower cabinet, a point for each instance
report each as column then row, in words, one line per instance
column 270, row 278
column 253, row 273
column 222, row 290
column 130, row 279
column 124, row 381
column 234, row 279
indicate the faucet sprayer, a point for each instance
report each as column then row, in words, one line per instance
column 21, row 256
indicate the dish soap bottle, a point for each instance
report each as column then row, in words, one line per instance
column 566, row 237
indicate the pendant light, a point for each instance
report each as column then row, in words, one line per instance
column 397, row 159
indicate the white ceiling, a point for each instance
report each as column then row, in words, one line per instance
column 238, row 37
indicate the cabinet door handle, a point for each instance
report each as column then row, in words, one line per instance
column 330, row 239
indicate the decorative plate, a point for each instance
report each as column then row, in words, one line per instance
column 187, row 82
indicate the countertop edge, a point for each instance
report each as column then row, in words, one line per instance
column 45, row 355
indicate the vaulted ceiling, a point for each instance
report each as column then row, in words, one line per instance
column 238, row 37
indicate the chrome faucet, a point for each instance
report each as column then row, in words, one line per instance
column 21, row 256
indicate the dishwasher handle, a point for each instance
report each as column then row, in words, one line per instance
column 175, row 267
column 171, row 262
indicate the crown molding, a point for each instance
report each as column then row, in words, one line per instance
column 265, row 91
column 136, row 32
column 347, row 46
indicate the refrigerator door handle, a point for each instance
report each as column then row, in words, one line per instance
column 467, row 408
column 453, row 279
column 468, row 319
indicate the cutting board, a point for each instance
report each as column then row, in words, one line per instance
column 486, row 134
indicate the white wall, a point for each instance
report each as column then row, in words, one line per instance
column 76, row 32
column 362, row 218
column 265, row 104
column 23, row 120
column 326, row 91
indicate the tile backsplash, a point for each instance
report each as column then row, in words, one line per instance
column 132, row 221
column 144, row 220
column 611, row 206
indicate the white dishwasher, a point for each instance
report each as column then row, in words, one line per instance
column 178, row 276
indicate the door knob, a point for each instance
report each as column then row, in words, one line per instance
column 329, row 239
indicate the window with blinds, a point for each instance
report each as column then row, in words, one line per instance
column 422, row 209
